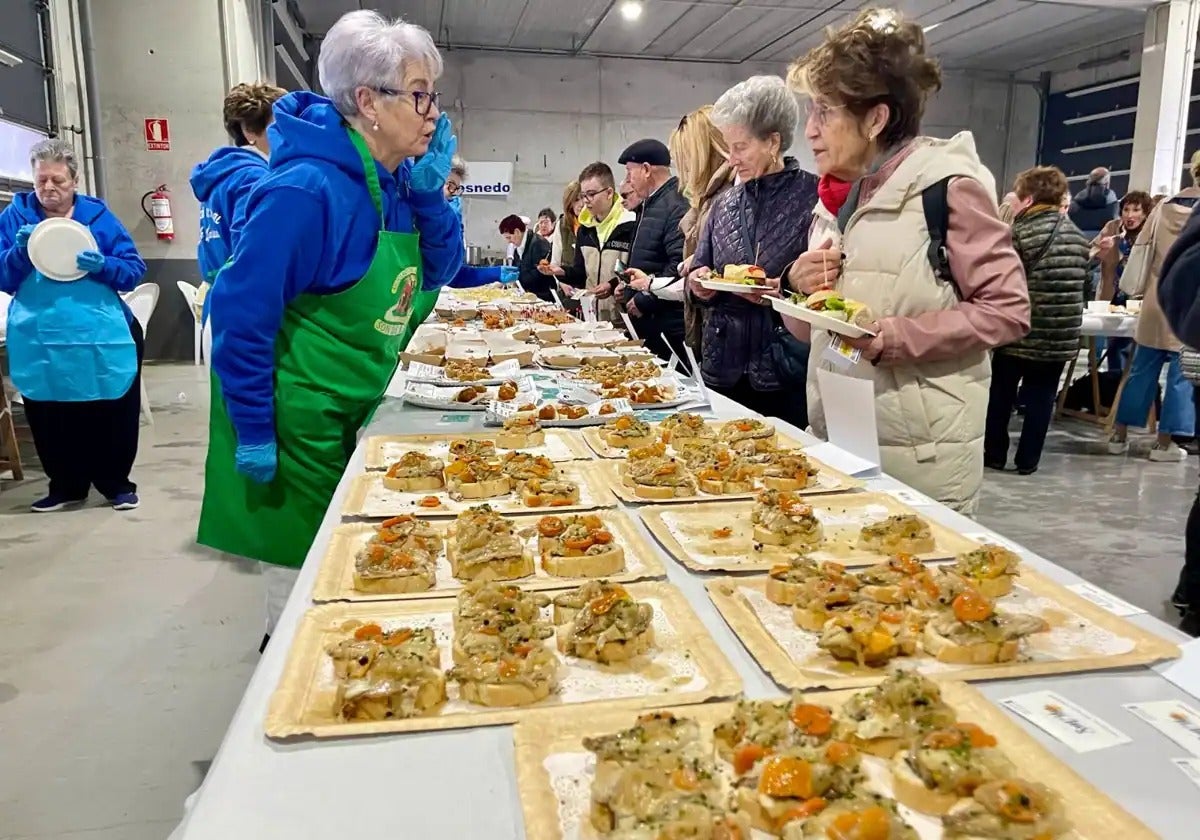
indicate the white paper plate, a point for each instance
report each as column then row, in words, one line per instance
column 818, row 319
column 55, row 243
column 725, row 286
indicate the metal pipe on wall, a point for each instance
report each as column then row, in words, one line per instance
column 93, row 98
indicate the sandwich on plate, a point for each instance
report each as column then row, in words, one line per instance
column 990, row 568
column 520, row 431
column 782, row 518
column 663, row 478
column 537, row 492
column 861, row 816
column 627, row 432
column 484, row 546
column 387, row 674
column 974, row 632
column 569, row 603
column 722, row 472
column 578, row 546
column 612, row 627
column 684, row 429
column 904, row 533
column 472, row 448
column 749, row 275
column 414, row 472
column 747, row 428
column 870, row 634
column 476, row 478
column 834, row 305
column 883, row 719
column 1007, row 809
column 788, row 470
column 944, row 766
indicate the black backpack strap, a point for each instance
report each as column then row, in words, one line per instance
column 937, row 222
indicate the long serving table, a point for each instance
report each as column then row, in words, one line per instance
column 462, row 784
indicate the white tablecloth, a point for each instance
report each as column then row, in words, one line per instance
column 462, row 784
column 1115, row 326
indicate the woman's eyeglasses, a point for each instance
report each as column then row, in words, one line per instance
column 453, row 188
column 422, row 101
column 819, row 112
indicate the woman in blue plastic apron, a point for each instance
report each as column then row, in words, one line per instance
column 74, row 348
column 223, row 182
column 348, row 226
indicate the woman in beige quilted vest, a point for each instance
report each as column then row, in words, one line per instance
column 867, row 85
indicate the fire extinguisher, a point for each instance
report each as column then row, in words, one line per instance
column 159, row 212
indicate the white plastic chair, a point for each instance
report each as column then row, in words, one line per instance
column 189, row 295
column 142, row 302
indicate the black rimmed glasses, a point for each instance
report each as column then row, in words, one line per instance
column 422, row 101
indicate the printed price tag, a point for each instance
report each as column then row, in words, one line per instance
column 1077, row 728
column 841, row 355
column 911, row 497
column 1190, row 768
column 1105, row 600
column 420, row 389
column 506, row 370
column 526, row 385
column 454, row 419
column 501, row 410
column 420, row 370
column 1178, row 721
column 574, row 394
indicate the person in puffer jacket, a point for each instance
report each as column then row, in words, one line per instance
column 1055, row 256
column 929, row 358
column 746, row 354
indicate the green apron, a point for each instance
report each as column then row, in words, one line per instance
column 334, row 356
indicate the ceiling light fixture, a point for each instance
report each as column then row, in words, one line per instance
column 932, row 27
column 631, row 10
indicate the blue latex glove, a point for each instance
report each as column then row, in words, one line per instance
column 257, row 461
column 432, row 169
column 22, row 238
column 89, row 261
column 509, row 274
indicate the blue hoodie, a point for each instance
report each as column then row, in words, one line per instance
column 123, row 266
column 222, row 184
column 309, row 227
column 470, row 276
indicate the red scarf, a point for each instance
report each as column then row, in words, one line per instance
column 833, row 192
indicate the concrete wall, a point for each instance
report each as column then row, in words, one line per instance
column 175, row 61
column 551, row 116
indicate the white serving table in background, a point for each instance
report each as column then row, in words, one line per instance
column 462, row 784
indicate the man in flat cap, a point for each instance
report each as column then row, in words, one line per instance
column 654, row 294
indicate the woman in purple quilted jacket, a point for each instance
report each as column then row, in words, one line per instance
column 747, row 355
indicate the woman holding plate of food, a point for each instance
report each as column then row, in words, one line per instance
column 933, row 327
column 756, row 228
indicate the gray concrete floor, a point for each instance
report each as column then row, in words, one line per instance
column 124, row 648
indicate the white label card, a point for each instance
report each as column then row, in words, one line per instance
column 841, row 355
column 420, row 370
column 1178, row 721
column 1105, row 600
column 850, row 413
column 421, row 389
column 501, row 410
column 1077, row 728
column 911, row 497
column 1190, row 768
column 575, row 394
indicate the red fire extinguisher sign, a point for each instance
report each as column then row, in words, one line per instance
column 158, row 135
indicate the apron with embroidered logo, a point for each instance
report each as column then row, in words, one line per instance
column 334, row 356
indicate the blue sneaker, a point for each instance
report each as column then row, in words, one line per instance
column 53, row 503
column 125, row 501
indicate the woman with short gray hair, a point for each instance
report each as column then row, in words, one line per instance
column 74, row 348
column 763, row 220
column 327, row 281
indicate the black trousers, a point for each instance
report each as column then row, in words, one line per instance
column 81, row 444
column 1038, row 383
column 789, row 404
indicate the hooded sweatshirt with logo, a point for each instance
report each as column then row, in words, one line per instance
column 222, row 184
column 310, row 227
column 123, row 266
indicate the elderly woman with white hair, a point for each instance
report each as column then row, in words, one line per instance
column 347, row 228
column 763, row 220
column 74, row 348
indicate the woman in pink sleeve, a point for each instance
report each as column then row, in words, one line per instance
column 935, row 324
